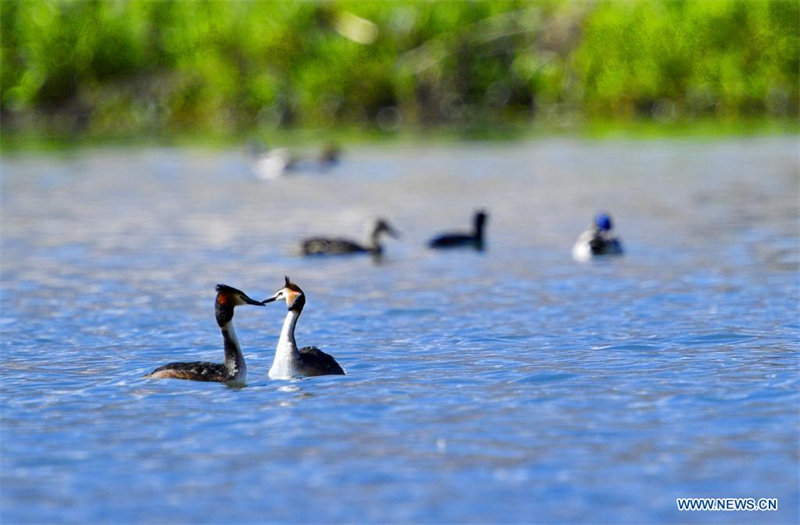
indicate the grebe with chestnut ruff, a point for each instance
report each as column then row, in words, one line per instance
column 234, row 368
column 290, row 361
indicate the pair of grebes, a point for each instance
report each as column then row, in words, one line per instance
column 291, row 361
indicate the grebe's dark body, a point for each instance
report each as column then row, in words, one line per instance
column 234, row 368
column 315, row 362
column 464, row 240
column 290, row 361
column 196, row 371
column 340, row 246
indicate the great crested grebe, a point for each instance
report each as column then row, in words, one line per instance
column 339, row 246
column 289, row 360
column 464, row 240
column 234, row 368
column 597, row 240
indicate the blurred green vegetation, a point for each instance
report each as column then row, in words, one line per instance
column 113, row 67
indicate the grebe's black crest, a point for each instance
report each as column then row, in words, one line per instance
column 224, row 288
column 475, row 239
column 237, row 295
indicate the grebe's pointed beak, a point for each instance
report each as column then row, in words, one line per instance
column 252, row 301
column 265, row 301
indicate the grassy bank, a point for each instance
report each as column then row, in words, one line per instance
column 158, row 69
column 354, row 136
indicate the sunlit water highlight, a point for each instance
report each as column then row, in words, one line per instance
column 510, row 386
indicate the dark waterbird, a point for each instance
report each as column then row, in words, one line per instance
column 475, row 239
column 342, row 246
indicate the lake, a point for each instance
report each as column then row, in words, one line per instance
column 509, row 386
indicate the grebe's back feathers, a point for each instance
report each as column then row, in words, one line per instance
column 315, row 362
column 196, row 371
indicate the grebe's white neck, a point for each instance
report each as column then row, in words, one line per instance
column 286, row 354
column 234, row 360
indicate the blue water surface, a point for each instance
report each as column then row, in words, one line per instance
column 510, row 386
